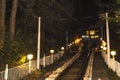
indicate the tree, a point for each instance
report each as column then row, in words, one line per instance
column 13, row 19
column 2, row 21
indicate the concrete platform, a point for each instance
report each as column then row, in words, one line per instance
column 99, row 72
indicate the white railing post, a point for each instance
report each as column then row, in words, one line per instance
column 6, row 73
column 51, row 58
column 29, row 66
column 44, row 61
column 113, row 64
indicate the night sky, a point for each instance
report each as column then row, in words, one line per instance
column 85, row 8
column 85, row 14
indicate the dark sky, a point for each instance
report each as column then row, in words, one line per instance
column 85, row 8
column 85, row 13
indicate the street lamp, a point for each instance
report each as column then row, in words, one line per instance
column 52, row 51
column 104, row 48
column 29, row 57
column 101, row 47
column 103, row 43
column 77, row 41
column 113, row 53
column 62, row 48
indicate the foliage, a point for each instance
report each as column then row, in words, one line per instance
column 54, row 23
column 50, row 17
column 22, row 60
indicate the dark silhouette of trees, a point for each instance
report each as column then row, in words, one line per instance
column 2, row 21
column 13, row 19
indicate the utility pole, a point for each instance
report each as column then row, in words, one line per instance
column 67, row 41
column 38, row 45
column 108, row 40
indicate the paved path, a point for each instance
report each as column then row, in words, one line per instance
column 99, row 72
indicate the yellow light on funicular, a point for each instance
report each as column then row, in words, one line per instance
column 92, row 32
column 87, row 32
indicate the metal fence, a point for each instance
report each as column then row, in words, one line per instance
column 113, row 64
column 17, row 72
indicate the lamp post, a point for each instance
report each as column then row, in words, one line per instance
column 62, row 48
column 108, row 39
column 52, row 51
column 113, row 53
column 62, row 51
column 38, row 44
column 29, row 57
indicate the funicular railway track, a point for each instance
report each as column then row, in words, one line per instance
column 77, row 70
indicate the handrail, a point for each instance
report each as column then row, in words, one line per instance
column 59, row 70
column 88, row 74
column 85, row 65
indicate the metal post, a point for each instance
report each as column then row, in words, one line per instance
column 38, row 46
column 108, row 39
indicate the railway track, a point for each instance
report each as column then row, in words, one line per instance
column 77, row 70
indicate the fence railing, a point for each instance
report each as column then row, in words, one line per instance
column 113, row 64
column 18, row 72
